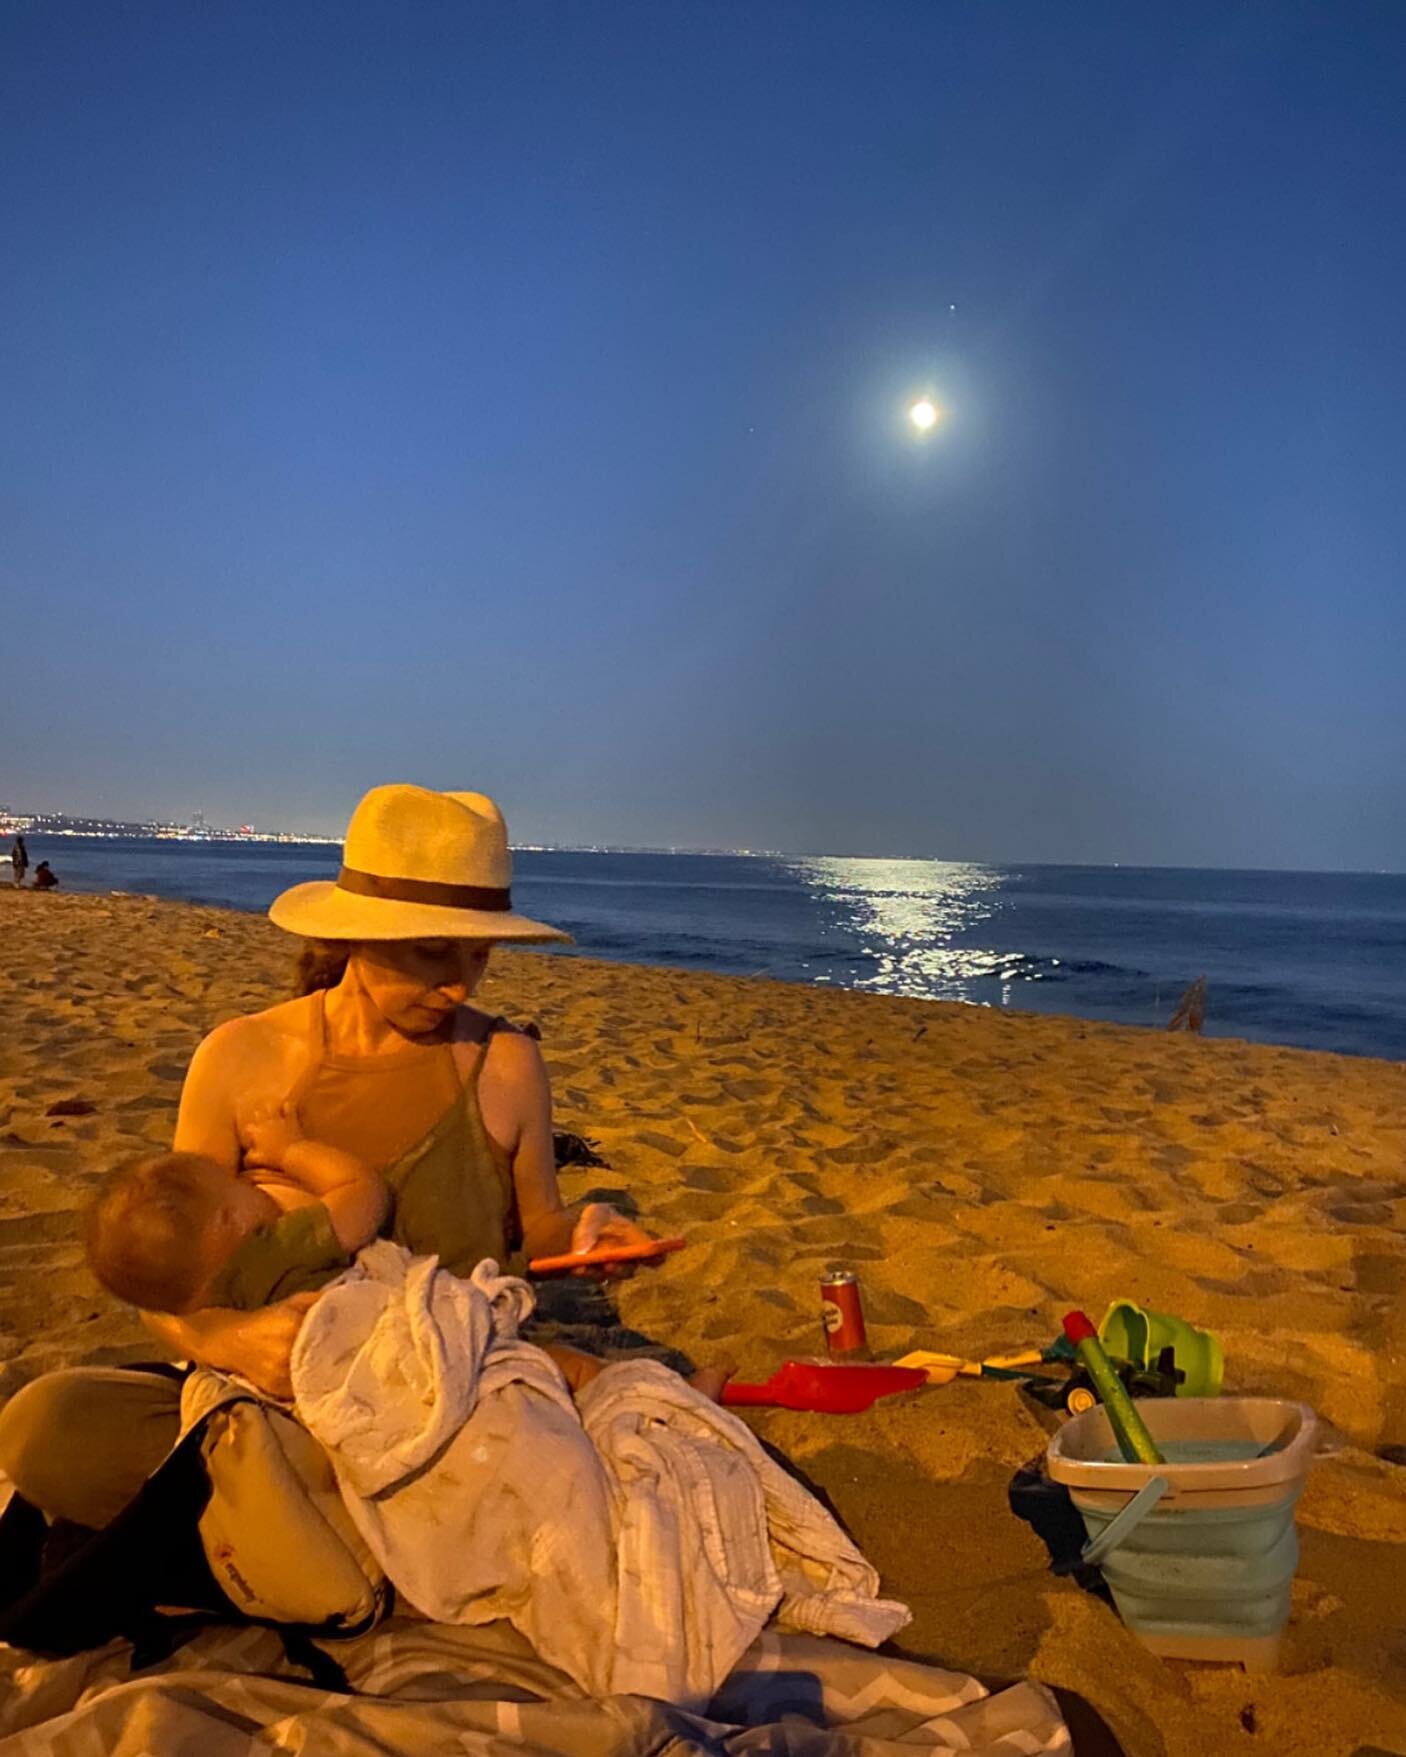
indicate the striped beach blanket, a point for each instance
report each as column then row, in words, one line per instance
column 417, row 1687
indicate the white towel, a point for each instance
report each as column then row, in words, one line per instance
column 712, row 1536
column 641, row 1553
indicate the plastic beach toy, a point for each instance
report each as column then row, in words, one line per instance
column 941, row 1369
column 1134, row 1441
column 655, row 1247
column 831, row 1390
column 1199, row 1551
column 1153, row 1353
column 1132, row 1334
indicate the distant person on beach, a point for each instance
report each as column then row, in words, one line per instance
column 19, row 860
column 380, row 1054
column 44, row 879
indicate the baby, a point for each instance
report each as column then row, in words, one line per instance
column 176, row 1232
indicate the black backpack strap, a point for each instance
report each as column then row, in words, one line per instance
column 23, row 1530
column 300, row 1647
column 87, row 1588
column 156, row 1635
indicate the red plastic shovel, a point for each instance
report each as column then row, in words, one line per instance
column 832, row 1390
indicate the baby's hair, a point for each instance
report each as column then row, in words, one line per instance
column 144, row 1228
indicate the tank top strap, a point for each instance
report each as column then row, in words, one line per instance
column 316, row 1045
column 469, row 1042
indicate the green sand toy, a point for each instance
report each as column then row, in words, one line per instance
column 1129, row 1429
column 1132, row 1334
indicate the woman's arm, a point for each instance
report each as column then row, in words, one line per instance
column 257, row 1345
column 205, row 1122
column 549, row 1227
column 233, row 1058
column 547, row 1223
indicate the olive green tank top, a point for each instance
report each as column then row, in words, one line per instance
column 453, row 1184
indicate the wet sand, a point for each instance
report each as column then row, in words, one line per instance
column 982, row 1171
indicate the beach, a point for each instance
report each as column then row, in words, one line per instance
column 982, row 1171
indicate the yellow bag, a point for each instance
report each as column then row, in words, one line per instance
column 276, row 1533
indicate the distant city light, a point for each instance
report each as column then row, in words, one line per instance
column 924, row 414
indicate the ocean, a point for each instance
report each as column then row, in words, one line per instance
column 1313, row 959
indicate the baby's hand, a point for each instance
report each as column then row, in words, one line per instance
column 266, row 1132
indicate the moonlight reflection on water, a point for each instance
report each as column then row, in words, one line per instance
column 908, row 924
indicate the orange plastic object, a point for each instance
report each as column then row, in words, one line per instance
column 656, row 1247
column 830, row 1390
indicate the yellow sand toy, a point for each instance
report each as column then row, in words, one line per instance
column 941, row 1369
column 1073, row 1394
column 1156, row 1354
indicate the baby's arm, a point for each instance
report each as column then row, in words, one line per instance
column 282, row 1190
column 357, row 1198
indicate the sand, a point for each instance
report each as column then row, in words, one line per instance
column 982, row 1171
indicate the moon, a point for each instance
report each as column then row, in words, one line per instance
column 924, row 414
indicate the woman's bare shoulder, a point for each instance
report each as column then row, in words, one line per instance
column 513, row 1057
column 251, row 1057
column 259, row 1035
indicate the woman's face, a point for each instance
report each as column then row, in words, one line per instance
column 416, row 984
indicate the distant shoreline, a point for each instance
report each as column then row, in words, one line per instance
column 258, row 838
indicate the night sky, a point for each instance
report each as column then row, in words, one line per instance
column 514, row 397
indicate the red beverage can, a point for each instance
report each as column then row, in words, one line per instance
column 842, row 1314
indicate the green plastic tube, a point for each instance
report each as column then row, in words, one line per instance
column 1134, row 1441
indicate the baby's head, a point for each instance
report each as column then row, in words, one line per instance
column 163, row 1226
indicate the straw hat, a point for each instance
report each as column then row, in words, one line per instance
column 416, row 865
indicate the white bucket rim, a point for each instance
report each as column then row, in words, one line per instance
column 1073, row 1454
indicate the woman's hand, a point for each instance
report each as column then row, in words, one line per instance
column 599, row 1227
column 265, row 1344
column 257, row 1345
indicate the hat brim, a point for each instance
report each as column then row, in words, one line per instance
column 322, row 910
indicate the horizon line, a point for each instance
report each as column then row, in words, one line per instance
column 291, row 838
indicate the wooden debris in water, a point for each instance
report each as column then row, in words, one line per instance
column 1191, row 1008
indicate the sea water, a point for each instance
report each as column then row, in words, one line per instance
column 1314, row 959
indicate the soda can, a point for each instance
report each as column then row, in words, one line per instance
column 842, row 1314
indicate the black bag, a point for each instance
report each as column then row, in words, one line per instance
column 65, row 1589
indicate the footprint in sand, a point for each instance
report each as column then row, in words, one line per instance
column 773, row 1296
column 1238, row 1213
column 850, row 1250
column 165, row 1070
column 1378, row 1275
column 712, row 1178
column 884, row 1306
column 1362, row 1213
column 53, row 1226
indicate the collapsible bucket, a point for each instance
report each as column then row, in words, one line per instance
column 1198, row 1552
column 1130, row 1333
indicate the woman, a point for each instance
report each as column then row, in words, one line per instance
column 382, row 1056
